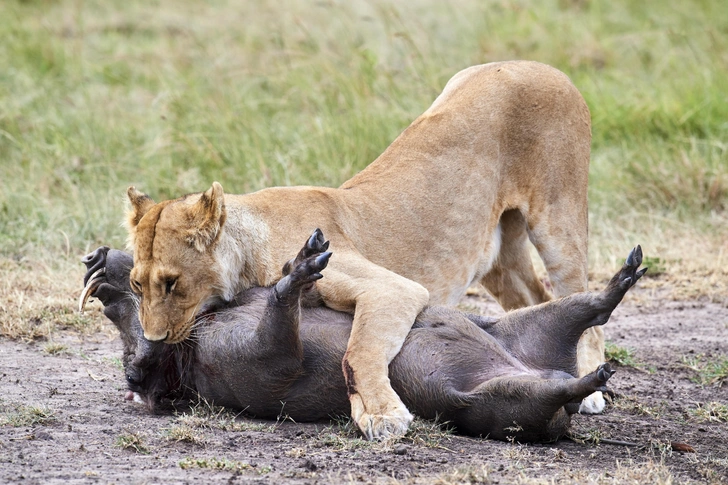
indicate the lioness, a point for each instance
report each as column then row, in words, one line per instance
column 499, row 158
column 509, row 377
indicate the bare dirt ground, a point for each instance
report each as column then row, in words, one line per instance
column 63, row 419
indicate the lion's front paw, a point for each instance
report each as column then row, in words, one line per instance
column 392, row 423
column 592, row 404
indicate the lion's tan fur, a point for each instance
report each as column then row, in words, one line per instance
column 499, row 158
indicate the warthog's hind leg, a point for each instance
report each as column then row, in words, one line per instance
column 625, row 278
column 528, row 407
column 546, row 336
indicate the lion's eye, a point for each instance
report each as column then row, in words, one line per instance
column 136, row 287
column 169, row 285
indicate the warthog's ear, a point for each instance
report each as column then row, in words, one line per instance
column 208, row 216
column 140, row 205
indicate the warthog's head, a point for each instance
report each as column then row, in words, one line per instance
column 152, row 369
column 175, row 272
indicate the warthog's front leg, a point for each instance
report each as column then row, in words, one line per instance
column 278, row 330
column 316, row 244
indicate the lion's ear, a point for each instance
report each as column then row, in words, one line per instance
column 140, row 205
column 208, row 216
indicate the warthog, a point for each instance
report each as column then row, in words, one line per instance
column 272, row 351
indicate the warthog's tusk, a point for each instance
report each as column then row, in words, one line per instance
column 91, row 285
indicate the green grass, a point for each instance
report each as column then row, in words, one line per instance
column 707, row 370
column 132, row 441
column 619, row 355
column 171, row 95
column 218, row 464
column 26, row 415
column 710, row 411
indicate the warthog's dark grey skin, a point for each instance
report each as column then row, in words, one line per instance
column 265, row 353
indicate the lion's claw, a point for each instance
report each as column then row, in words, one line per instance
column 388, row 425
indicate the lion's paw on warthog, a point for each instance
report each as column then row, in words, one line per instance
column 257, row 351
column 393, row 423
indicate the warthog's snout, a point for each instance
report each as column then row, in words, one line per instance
column 135, row 377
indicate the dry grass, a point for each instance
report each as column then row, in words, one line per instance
column 631, row 473
column 690, row 264
column 54, row 348
column 183, row 433
column 39, row 297
column 25, row 415
column 133, row 441
column 634, row 405
column 217, row 464
column 464, row 476
column 707, row 370
column 712, row 411
column 205, row 415
column 432, row 434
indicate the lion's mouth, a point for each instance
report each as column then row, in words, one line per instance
column 179, row 336
column 202, row 318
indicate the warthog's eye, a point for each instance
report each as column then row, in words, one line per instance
column 136, row 287
column 170, row 283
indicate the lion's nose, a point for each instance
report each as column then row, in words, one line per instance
column 156, row 338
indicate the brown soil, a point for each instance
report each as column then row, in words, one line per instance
column 94, row 435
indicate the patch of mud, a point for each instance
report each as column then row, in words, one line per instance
column 82, row 422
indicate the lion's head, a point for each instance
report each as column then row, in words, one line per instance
column 175, row 271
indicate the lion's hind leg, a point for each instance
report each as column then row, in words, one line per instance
column 512, row 279
column 559, row 231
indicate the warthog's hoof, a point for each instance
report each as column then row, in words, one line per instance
column 595, row 404
column 604, row 372
column 629, row 275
